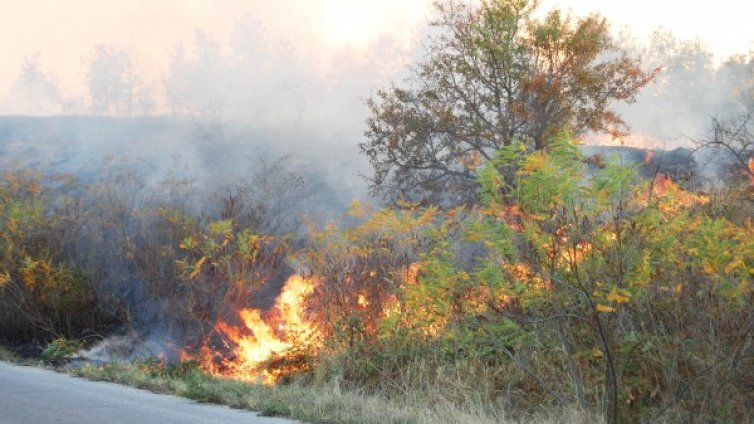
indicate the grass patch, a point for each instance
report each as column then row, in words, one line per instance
column 8, row 356
column 315, row 403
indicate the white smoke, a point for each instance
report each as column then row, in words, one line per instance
column 130, row 347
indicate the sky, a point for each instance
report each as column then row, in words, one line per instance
column 63, row 32
column 723, row 25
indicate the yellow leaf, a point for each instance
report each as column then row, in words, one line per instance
column 596, row 353
column 733, row 265
column 618, row 298
column 187, row 243
column 197, row 268
column 604, row 308
column 356, row 210
column 743, row 286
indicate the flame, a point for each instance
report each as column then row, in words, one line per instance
column 674, row 198
column 522, row 272
column 648, row 157
column 519, row 271
column 575, row 254
column 662, row 183
column 409, row 308
column 412, row 274
column 637, row 140
column 259, row 341
column 751, row 170
column 392, row 307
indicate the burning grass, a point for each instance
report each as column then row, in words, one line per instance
column 264, row 347
column 421, row 315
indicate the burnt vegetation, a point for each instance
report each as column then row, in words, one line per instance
column 512, row 269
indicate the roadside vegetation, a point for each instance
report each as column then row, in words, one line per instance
column 509, row 274
column 315, row 402
column 604, row 293
column 7, row 355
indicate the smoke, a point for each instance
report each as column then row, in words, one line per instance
column 262, row 88
column 217, row 108
column 691, row 88
column 261, row 109
column 128, row 348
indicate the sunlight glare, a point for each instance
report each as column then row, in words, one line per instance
column 349, row 23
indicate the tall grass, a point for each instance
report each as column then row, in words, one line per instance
column 320, row 402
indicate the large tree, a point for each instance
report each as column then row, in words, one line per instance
column 493, row 73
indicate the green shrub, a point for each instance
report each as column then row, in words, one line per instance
column 60, row 349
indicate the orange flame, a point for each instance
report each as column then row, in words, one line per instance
column 648, row 157
column 258, row 342
column 674, row 197
column 362, row 301
column 661, row 183
column 631, row 140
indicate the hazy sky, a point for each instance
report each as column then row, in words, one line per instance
column 63, row 32
column 725, row 26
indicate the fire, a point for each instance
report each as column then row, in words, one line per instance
column 631, row 140
column 412, row 274
column 522, row 272
column 519, row 271
column 362, row 300
column 675, row 198
column 575, row 254
column 661, row 184
column 392, row 307
column 648, row 157
column 258, row 342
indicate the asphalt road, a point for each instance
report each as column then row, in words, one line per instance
column 36, row 396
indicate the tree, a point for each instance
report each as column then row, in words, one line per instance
column 114, row 86
column 199, row 84
column 604, row 264
column 732, row 142
column 494, row 73
column 197, row 81
column 33, row 92
column 738, row 74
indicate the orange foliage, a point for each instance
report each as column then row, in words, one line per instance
column 511, row 215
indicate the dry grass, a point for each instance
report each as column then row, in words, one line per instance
column 7, row 355
column 317, row 403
